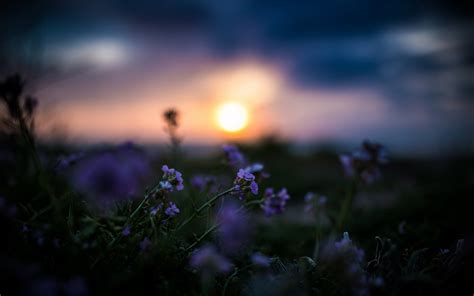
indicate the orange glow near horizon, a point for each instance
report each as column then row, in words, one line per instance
column 216, row 104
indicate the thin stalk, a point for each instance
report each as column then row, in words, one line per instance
column 318, row 237
column 210, row 230
column 347, row 206
column 204, row 206
column 214, row 227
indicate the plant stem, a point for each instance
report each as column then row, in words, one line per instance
column 211, row 229
column 318, row 237
column 347, row 206
column 117, row 238
column 204, row 206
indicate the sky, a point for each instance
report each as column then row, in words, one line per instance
column 398, row 72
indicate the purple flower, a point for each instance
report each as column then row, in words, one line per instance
column 111, row 177
column 365, row 162
column 260, row 260
column 172, row 177
column 257, row 170
column 145, row 244
column 233, row 156
column 233, row 233
column 345, row 246
column 203, row 182
column 154, row 210
column 172, row 210
column 274, row 203
column 208, row 261
column 245, row 183
column 126, row 231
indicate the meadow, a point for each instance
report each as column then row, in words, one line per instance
column 256, row 218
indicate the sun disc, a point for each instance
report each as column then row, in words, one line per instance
column 232, row 117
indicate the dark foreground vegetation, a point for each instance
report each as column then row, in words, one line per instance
column 255, row 219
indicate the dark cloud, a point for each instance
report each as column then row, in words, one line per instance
column 341, row 43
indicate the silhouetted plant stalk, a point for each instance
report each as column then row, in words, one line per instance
column 171, row 117
column 20, row 114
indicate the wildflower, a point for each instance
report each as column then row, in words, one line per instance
column 110, row 176
column 233, row 233
column 126, row 231
column 345, row 246
column 257, row 169
column 365, row 162
column 260, row 260
column 171, row 117
column 166, row 186
column 233, row 156
column 245, row 183
column 154, row 210
column 203, row 182
column 172, row 210
column 173, row 177
column 145, row 244
column 208, row 261
column 275, row 203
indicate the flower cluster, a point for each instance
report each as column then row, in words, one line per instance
column 257, row 169
column 274, row 203
column 260, row 259
column 172, row 179
column 111, row 176
column 365, row 162
column 172, row 210
column 205, row 182
column 233, row 232
column 345, row 245
column 245, row 183
column 233, row 156
column 208, row 261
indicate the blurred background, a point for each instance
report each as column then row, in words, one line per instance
column 312, row 73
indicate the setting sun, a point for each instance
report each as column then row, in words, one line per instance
column 232, row 117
